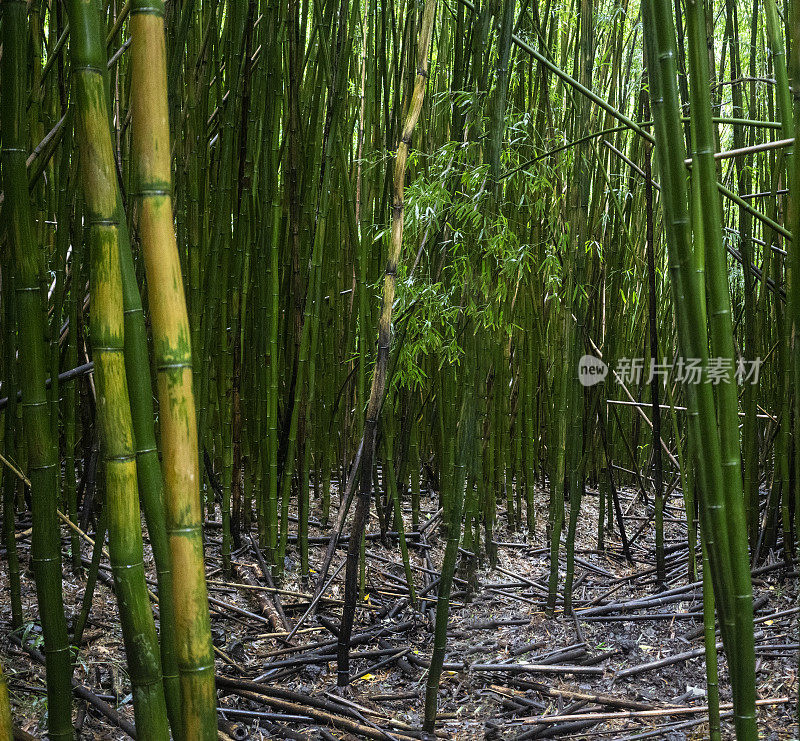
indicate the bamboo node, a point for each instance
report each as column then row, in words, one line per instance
column 43, row 559
column 87, row 68
column 121, row 458
column 145, row 192
column 189, row 530
column 196, row 669
column 148, row 10
column 41, row 468
column 147, row 682
column 126, row 566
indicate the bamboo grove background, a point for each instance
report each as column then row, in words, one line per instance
column 474, row 185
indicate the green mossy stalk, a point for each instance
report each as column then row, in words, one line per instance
column 42, row 449
column 6, row 729
column 98, row 175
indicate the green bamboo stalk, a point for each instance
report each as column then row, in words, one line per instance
column 775, row 44
column 782, row 485
column 719, row 529
column 793, row 262
column 498, row 104
column 11, row 444
column 710, row 639
column 487, row 494
column 272, row 412
column 384, row 330
column 148, row 469
column 6, row 729
column 721, row 334
column 743, row 167
column 661, row 569
column 465, row 434
column 107, row 338
column 559, row 419
column 42, row 450
column 576, row 263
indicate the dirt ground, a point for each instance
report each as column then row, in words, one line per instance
column 501, row 622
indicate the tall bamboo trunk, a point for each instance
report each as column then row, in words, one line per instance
column 712, row 426
column 102, row 216
column 148, row 469
column 31, row 312
column 172, row 347
column 384, row 330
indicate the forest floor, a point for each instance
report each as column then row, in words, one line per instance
column 595, row 665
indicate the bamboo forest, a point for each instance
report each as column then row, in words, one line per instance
column 399, row 369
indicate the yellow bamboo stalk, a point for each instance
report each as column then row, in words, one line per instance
column 173, row 354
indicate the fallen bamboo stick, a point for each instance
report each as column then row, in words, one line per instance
column 600, row 699
column 634, row 714
column 666, row 597
column 321, row 716
column 397, row 654
column 84, row 693
column 537, row 668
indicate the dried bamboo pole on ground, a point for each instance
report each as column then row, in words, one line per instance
column 644, row 714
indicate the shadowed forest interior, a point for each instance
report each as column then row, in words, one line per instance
column 399, row 369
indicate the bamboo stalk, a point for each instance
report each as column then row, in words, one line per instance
column 6, row 729
column 107, row 338
column 172, row 349
column 384, row 328
column 30, row 309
